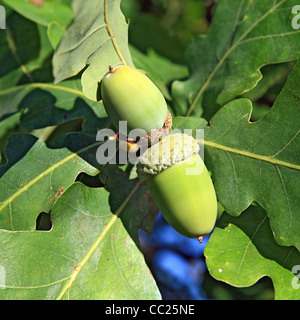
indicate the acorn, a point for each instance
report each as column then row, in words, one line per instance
column 129, row 95
column 180, row 185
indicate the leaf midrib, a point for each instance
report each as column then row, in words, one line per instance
column 114, row 218
column 227, row 53
column 249, row 154
column 43, row 174
column 41, row 85
column 111, row 34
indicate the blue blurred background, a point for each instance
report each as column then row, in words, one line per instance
column 178, row 266
column 175, row 261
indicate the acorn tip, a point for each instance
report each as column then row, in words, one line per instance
column 111, row 69
column 200, row 239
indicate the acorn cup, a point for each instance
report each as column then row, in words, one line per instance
column 129, row 95
column 180, row 185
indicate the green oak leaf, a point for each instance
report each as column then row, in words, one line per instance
column 159, row 69
column 87, row 254
column 244, row 36
column 23, row 57
column 23, row 54
column 186, row 124
column 34, row 179
column 273, row 75
column 259, row 161
column 26, row 88
column 39, row 105
column 55, row 33
column 144, row 211
column 242, row 250
column 97, row 38
column 47, row 12
column 50, row 105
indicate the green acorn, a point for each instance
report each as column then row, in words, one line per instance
column 129, row 95
column 180, row 185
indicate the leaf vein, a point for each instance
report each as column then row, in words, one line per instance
column 82, row 40
column 262, row 136
column 234, row 172
column 41, row 85
column 277, row 153
column 43, row 174
column 286, row 196
column 227, row 53
column 249, row 154
column 118, row 265
column 269, row 36
column 114, row 218
column 248, row 245
column 34, row 287
column 111, row 34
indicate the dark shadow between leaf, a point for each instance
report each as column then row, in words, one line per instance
column 22, row 44
column 41, row 111
column 43, row 222
column 140, row 211
column 77, row 124
column 16, row 148
column 90, row 181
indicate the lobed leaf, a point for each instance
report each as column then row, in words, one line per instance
column 259, row 161
column 87, row 254
column 33, row 183
column 244, row 36
column 159, row 69
column 97, row 38
column 47, row 12
column 242, row 250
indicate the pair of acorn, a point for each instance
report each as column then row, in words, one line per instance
column 174, row 172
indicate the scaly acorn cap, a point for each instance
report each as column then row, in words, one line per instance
column 168, row 152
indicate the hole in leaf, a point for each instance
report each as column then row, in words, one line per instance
column 99, row 91
column 90, row 181
column 73, row 125
column 43, row 221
